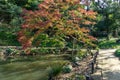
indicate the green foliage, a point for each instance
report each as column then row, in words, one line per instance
column 108, row 44
column 117, row 53
column 55, row 70
column 8, row 38
column 81, row 77
column 108, row 19
column 28, row 4
column 10, row 13
column 9, row 23
column 10, row 19
column 55, row 43
column 32, row 4
column 81, row 54
column 41, row 51
column 43, row 40
column 9, row 50
column 67, row 68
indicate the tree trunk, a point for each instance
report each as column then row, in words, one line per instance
column 109, row 35
column 73, row 47
column 115, row 33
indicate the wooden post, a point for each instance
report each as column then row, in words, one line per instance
column 73, row 49
column 92, row 67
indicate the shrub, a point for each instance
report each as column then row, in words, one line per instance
column 9, row 51
column 55, row 70
column 67, row 68
column 7, row 37
column 40, row 51
column 105, row 44
column 117, row 53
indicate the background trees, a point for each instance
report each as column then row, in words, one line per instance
column 12, row 14
column 11, row 20
column 108, row 16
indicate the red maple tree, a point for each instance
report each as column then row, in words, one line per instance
column 64, row 15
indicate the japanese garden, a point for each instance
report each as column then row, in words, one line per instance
column 59, row 39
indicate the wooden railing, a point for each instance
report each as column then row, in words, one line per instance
column 86, row 69
column 92, row 66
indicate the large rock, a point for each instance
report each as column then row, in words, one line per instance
column 2, row 56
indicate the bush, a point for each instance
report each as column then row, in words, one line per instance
column 10, row 51
column 40, row 51
column 108, row 44
column 67, row 68
column 55, row 70
column 8, row 38
column 117, row 53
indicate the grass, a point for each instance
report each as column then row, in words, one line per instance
column 31, row 68
column 108, row 44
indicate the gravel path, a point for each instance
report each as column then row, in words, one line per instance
column 109, row 64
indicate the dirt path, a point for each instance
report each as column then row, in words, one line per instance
column 109, row 64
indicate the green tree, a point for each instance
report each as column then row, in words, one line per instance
column 109, row 12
